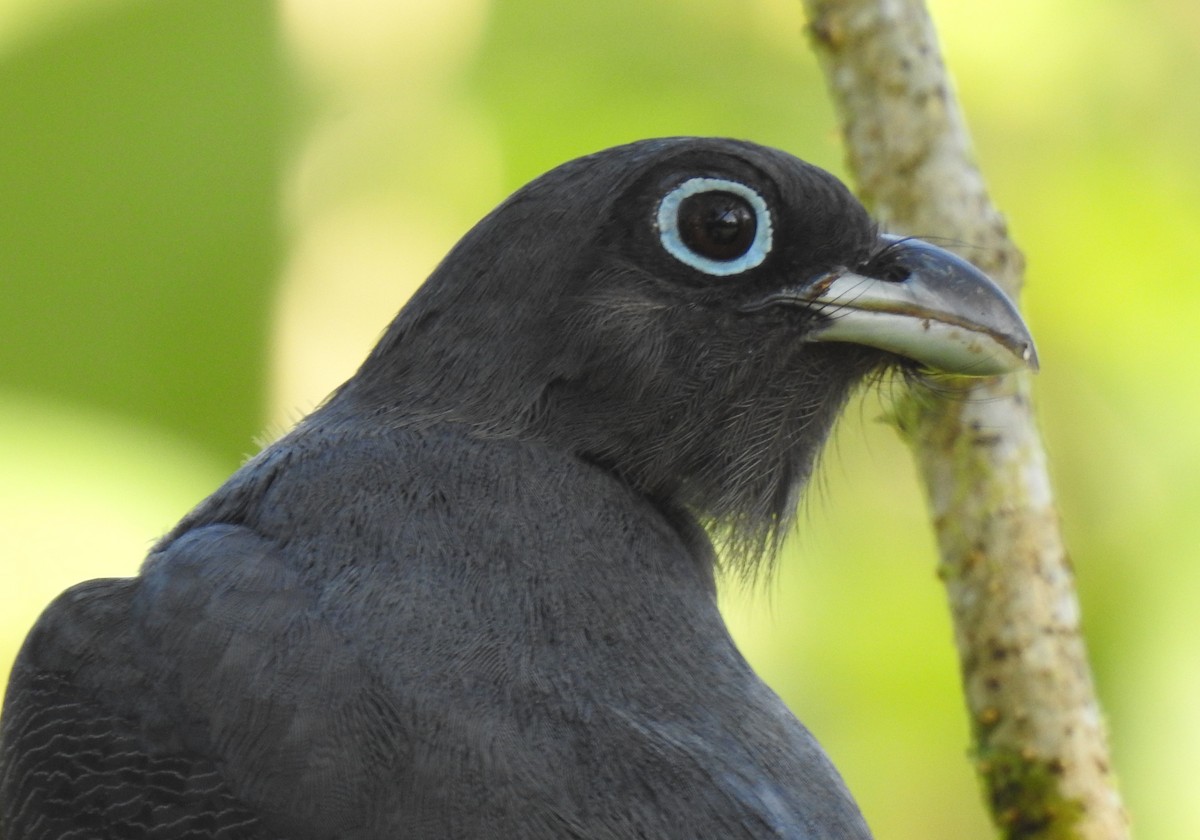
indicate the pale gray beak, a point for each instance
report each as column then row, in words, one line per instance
column 921, row 302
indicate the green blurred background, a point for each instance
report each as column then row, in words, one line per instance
column 209, row 210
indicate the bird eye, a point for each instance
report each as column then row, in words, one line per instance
column 717, row 226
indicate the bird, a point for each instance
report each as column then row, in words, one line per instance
column 473, row 593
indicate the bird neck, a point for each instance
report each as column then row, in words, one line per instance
column 724, row 434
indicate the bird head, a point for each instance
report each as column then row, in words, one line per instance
column 690, row 314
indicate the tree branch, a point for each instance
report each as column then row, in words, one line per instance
column 1040, row 744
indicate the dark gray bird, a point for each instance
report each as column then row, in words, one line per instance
column 472, row 595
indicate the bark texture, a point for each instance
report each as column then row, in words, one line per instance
column 1040, row 744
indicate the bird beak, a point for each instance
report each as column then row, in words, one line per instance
column 921, row 302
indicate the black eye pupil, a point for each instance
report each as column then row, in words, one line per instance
column 717, row 225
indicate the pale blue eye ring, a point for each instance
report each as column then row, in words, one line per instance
column 668, row 226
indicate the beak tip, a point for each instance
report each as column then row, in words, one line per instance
column 1021, row 353
column 1030, row 357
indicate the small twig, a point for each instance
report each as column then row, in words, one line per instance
column 1040, row 743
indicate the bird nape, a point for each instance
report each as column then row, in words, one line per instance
column 472, row 595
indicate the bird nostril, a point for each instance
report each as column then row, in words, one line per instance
column 894, row 274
